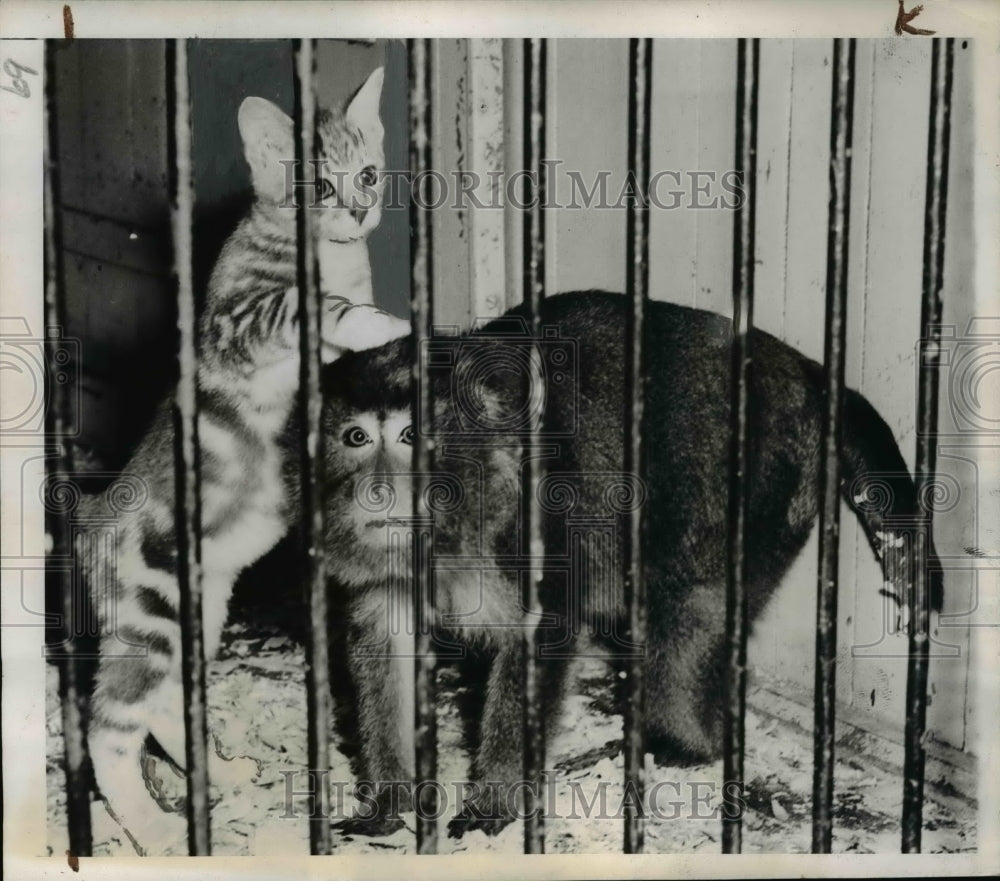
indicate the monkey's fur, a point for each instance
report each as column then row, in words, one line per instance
column 686, row 498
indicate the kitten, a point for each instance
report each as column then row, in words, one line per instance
column 248, row 377
column 479, row 409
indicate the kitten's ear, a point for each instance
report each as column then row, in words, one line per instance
column 362, row 110
column 267, row 139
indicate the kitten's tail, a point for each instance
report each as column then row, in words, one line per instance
column 878, row 488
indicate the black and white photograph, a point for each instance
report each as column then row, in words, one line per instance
column 547, row 441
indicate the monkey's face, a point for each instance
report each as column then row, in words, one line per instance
column 369, row 503
column 368, row 438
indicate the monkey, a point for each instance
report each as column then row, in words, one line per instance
column 488, row 389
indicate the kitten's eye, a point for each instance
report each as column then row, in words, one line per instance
column 355, row 436
column 326, row 189
column 369, row 175
column 406, row 435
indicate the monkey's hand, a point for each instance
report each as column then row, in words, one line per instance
column 488, row 809
column 379, row 810
column 371, row 827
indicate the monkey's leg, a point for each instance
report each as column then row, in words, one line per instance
column 381, row 664
column 685, row 675
column 494, row 800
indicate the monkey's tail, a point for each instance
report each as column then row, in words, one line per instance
column 878, row 488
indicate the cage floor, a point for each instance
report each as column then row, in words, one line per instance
column 257, row 715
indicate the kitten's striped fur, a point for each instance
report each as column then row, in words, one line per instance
column 248, row 379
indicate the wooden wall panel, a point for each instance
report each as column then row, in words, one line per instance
column 113, row 143
column 674, row 134
column 716, row 79
column 774, row 147
column 586, row 131
column 899, row 116
column 485, row 156
column 691, row 251
column 113, row 176
column 452, row 281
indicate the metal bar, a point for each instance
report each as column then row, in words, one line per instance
column 748, row 60
column 58, row 417
column 942, row 63
column 422, row 275
column 831, row 442
column 531, row 472
column 187, row 499
column 637, row 287
column 310, row 456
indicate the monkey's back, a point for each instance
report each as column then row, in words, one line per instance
column 687, row 432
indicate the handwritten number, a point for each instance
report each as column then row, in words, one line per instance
column 19, row 85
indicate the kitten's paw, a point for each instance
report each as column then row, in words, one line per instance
column 364, row 327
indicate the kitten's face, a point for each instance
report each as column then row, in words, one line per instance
column 350, row 162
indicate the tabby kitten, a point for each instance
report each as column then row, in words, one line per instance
column 247, row 380
column 480, row 415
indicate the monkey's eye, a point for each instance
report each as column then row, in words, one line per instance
column 406, row 435
column 326, row 189
column 369, row 176
column 355, row 436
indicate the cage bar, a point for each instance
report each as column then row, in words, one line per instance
column 58, row 420
column 637, row 288
column 747, row 65
column 831, row 442
column 187, row 499
column 311, row 457
column 421, row 280
column 942, row 64
column 533, row 545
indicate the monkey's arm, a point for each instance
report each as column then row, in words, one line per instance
column 380, row 661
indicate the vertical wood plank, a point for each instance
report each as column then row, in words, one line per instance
column 485, row 159
column 717, row 114
column 768, row 647
column 389, row 243
column 809, row 188
column 448, row 158
column 774, row 146
column 513, row 156
column 853, row 543
column 587, row 132
column 795, row 196
column 675, row 136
